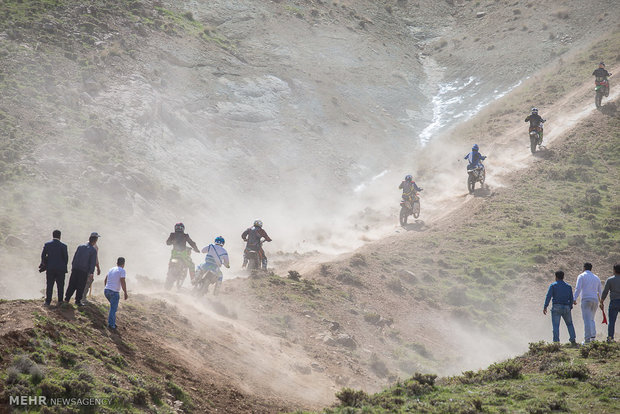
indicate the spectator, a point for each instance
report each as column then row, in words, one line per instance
column 82, row 266
column 91, row 278
column 589, row 286
column 612, row 286
column 113, row 283
column 54, row 259
column 562, row 294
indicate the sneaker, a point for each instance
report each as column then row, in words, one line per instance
column 85, row 301
column 573, row 343
column 610, row 339
column 47, row 304
column 80, row 304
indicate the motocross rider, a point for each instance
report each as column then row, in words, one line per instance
column 252, row 237
column 215, row 258
column 536, row 122
column 409, row 188
column 475, row 158
column 178, row 240
column 601, row 75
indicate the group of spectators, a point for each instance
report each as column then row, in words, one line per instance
column 55, row 260
column 592, row 297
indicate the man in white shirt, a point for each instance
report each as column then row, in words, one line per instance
column 114, row 280
column 589, row 286
column 216, row 256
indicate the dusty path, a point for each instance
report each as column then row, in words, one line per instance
column 507, row 153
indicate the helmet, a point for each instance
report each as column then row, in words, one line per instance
column 258, row 223
column 409, row 178
column 179, row 227
column 602, row 64
column 475, row 147
column 220, row 240
column 534, row 110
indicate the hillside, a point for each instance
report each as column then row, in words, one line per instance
column 548, row 378
column 70, row 353
column 127, row 116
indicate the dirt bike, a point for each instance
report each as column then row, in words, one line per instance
column 602, row 89
column 475, row 175
column 177, row 269
column 204, row 279
column 254, row 257
column 409, row 206
column 536, row 134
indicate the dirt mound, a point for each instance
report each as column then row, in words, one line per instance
column 69, row 352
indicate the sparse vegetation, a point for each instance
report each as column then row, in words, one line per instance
column 503, row 387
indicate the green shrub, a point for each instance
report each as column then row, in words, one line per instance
column 156, row 392
column 569, row 370
column 537, row 348
column 36, row 374
column 51, row 388
column 76, row 388
column 67, row 355
column 352, row 398
column 23, row 364
column 599, row 349
column 140, row 396
column 118, row 360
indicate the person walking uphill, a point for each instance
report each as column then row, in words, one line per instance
column 114, row 281
column 562, row 295
column 54, row 260
column 82, row 266
column 612, row 286
column 589, row 286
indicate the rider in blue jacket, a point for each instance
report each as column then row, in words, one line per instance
column 475, row 158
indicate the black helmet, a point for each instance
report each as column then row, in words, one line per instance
column 409, row 178
column 258, row 223
column 602, row 64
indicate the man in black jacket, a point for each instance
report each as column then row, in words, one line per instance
column 54, row 259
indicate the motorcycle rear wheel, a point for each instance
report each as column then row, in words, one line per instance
column 598, row 98
column 404, row 213
column 533, row 142
column 471, row 184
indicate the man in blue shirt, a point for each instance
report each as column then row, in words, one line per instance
column 83, row 265
column 562, row 295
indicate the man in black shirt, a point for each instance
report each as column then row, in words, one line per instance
column 601, row 75
column 54, row 259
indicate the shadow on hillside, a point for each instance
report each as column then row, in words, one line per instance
column 417, row 225
column 485, row 191
column 543, row 153
column 609, row 109
column 98, row 315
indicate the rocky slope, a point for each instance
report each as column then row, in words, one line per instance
column 126, row 117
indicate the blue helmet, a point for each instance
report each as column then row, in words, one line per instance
column 475, row 147
column 220, row 240
column 409, row 178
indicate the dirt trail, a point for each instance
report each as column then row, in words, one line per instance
column 257, row 363
column 443, row 202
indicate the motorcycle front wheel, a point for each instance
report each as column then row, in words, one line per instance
column 416, row 209
column 533, row 142
column 471, row 183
